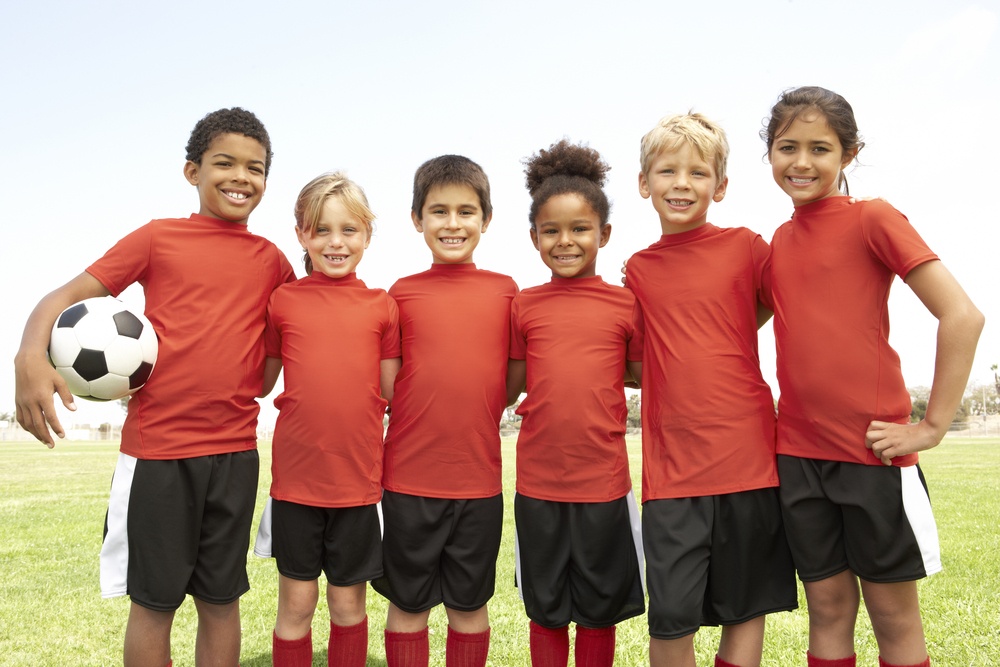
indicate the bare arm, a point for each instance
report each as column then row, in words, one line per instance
column 959, row 326
column 35, row 380
column 633, row 374
column 272, row 368
column 517, row 374
column 763, row 315
column 388, row 369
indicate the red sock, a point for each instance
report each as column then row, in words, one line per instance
column 292, row 652
column 348, row 645
column 407, row 649
column 549, row 646
column 883, row 663
column 595, row 647
column 719, row 662
column 467, row 649
column 849, row 661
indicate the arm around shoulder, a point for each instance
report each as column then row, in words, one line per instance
column 35, row 380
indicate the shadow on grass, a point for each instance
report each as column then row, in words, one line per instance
column 319, row 658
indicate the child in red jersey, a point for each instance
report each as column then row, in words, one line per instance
column 184, row 488
column 711, row 524
column 578, row 541
column 442, row 505
column 854, row 500
column 338, row 342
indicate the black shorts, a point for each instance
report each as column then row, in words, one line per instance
column 345, row 543
column 873, row 520
column 179, row 527
column 439, row 550
column 715, row 560
column 578, row 562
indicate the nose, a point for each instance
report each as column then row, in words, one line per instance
column 681, row 181
column 801, row 159
column 335, row 240
column 453, row 222
column 564, row 239
column 239, row 173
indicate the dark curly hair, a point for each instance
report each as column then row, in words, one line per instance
column 228, row 121
column 566, row 168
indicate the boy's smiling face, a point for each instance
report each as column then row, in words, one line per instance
column 229, row 177
column 681, row 185
column 451, row 221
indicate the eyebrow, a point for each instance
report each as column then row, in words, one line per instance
column 232, row 157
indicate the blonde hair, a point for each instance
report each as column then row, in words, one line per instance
column 312, row 198
column 698, row 131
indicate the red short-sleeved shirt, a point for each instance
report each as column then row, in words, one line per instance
column 828, row 282
column 443, row 439
column 707, row 414
column 331, row 335
column 574, row 335
column 207, row 283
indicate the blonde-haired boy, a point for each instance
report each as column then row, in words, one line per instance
column 712, row 533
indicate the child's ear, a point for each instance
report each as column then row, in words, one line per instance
column 720, row 190
column 191, row 172
column 643, row 185
column 605, row 234
column 301, row 237
column 534, row 236
column 416, row 222
column 486, row 222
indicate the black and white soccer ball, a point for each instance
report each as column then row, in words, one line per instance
column 103, row 350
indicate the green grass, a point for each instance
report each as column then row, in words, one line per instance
column 51, row 613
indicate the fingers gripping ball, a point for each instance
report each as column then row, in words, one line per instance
column 102, row 349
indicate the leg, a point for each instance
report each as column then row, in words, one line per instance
column 671, row 652
column 595, row 647
column 296, row 606
column 147, row 637
column 218, row 640
column 549, row 647
column 895, row 614
column 743, row 644
column 291, row 644
column 406, row 642
column 468, row 638
column 348, row 645
column 833, row 610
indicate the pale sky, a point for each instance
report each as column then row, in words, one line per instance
column 98, row 100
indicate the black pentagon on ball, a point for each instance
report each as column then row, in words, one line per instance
column 141, row 374
column 128, row 325
column 72, row 315
column 90, row 364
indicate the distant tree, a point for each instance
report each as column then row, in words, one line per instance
column 123, row 403
column 634, row 411
column 919, row 409
column 511, row 420
column 7, row 417
column 996, row 378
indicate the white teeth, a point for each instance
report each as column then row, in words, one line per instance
column 452, row 241
column 678, row 202
column 237, row 195
column 800, row 181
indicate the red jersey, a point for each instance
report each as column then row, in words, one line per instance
column 444, row 438
column 331, row 335
column 830, row 271
column 707, row 414
column 574, row 335
column 206, row 282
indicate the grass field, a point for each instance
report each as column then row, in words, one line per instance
column 52, row 513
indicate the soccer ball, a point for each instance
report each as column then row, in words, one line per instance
column 102, row 349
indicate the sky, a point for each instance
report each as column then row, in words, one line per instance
column 98, row 100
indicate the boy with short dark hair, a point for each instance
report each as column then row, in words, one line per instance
column 442, row 501
column 711, row 524
column 183, row 491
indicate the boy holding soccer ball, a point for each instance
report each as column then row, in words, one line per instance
column 188, row 464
